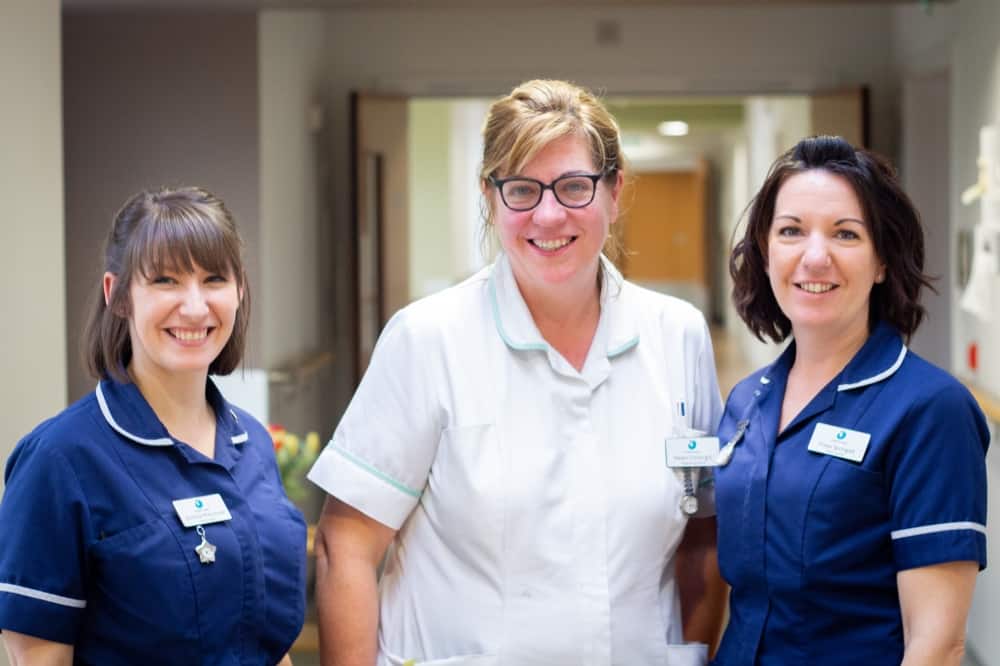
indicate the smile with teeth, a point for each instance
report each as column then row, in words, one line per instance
column 551, row 245
column 189, row 334
column 816, row 287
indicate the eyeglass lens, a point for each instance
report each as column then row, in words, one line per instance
column 570, row 191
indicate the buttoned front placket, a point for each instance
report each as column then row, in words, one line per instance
column 126, row 412
column 579, row 393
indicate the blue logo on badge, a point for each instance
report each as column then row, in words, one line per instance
column 841, row 435
column 692, row 445
column 198, row 504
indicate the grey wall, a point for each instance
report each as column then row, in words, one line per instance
column 154, row 99
column 31, row 296
column 975, row 101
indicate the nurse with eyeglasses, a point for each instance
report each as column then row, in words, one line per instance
column 506, row 444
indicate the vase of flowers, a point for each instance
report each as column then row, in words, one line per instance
column 295, row 456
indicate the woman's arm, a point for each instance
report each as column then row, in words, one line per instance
column 935, row 604
column 702, row 590
column 25, row 650
column 349, row 548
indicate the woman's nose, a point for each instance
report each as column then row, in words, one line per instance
column 816, row 255
column 194, row 303
column 549, row 210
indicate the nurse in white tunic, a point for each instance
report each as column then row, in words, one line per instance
column 508, row 439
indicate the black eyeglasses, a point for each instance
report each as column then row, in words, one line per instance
column 573, row 191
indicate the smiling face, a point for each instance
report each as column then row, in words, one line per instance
column 180, row 321
column 821, row 260
column 551, row 245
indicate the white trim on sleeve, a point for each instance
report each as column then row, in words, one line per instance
column 940, row 527
column 43, row 596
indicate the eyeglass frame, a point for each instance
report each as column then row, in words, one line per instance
column 595, row 178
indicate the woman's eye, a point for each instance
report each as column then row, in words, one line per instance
column 216, row 278
column 790, row 230
column 162, row 279
column 847, row 234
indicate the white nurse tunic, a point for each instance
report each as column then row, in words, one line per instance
column 537, row 519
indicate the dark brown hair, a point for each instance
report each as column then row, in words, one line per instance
column 890, row 216
column 158, row 231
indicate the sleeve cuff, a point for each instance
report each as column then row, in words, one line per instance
column 356, row 482
column 40, row 614
column 949, row 542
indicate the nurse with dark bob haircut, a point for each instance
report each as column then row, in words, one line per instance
column 851, row 491
column 147, row 524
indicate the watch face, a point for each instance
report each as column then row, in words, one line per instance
column 689, row 504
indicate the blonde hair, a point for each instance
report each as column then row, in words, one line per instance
column 532, row 116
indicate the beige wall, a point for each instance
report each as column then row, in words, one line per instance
column 292, row 90
column 33, row 336
column 31, row 298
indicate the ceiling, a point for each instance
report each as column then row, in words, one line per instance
column 431, row 4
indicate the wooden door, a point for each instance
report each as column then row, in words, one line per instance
column 842, row 112
column 665, row 232
column 380, row 202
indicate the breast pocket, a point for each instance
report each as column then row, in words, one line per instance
column 141, row 578
column 847, row 510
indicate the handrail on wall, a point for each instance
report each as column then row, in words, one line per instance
column 302, row 369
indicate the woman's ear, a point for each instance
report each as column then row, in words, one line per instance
column 108, row 284
column 619, row 185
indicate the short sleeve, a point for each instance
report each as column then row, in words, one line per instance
column 44, row 521
column 937, row 482
column 381, row 452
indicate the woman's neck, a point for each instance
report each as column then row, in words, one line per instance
column 818, row 359
column 178, row 400
column 567, row 315
column 827, row 353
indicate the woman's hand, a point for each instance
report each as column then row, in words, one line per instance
column 25, row 650
column 349, row 548
column 935, row 604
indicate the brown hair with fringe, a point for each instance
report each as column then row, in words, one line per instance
column 161, row 231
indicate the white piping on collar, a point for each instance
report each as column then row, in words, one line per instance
column 879, row 377
column 243, row 436
column 162, row 441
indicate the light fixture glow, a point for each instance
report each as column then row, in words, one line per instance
column 673, row 128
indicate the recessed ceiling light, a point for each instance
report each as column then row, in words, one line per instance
column 673, row 128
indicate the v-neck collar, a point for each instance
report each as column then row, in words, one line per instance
column 617, row 330
column 878, row 359
column 128, row 413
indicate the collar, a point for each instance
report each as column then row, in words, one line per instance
column 877, row 360
column 617, row 329
column 127, row 412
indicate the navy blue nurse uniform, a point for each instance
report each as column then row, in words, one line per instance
column 92, row 552
column 811, row 543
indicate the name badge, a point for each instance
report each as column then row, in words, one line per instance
column 691, row 451
column 839, row 442
column 202, row 510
